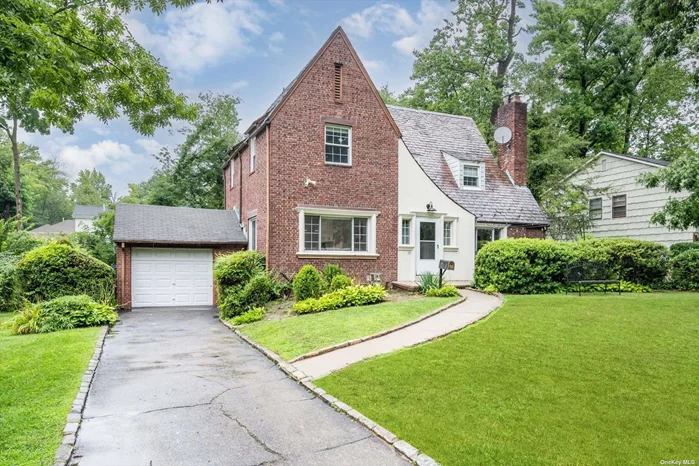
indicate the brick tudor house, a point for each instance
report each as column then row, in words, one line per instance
column 330, row 174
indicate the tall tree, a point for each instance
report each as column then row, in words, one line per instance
column 91, row 188
column 466, row 67
column 62, row 59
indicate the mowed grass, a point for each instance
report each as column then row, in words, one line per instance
column 545, row 380
column 39, row 378
column 294, row 336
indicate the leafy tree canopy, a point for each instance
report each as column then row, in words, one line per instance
column 91, row 188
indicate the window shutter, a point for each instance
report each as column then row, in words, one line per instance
column 338, row 82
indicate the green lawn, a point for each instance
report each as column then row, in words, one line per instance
column 39, row 378
column 545, row 380
column 294, row 336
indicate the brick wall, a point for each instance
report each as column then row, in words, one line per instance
column 516, row 231
column 297, row 136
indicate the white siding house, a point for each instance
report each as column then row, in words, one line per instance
column 627, row 206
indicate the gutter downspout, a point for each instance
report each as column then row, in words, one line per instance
column 269, row 125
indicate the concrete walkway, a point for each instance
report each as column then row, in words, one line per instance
column 174, row 387
column 476, row 306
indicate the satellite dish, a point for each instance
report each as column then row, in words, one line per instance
column 503, row 135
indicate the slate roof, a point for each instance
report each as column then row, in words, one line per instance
column 430, row 135
column 137, row 223
column 64, row 227
column 87, row 211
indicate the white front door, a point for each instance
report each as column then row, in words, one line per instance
column 427, row 246
column 171, row 277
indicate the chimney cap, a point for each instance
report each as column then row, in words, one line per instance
column 514, row 97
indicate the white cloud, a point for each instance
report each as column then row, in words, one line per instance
column 201, row 35
column 391, row 18
column 275, row 41
column 109, row 154
column 149, row 145
column 235, row 85
column 279, row 3
column 370, row 65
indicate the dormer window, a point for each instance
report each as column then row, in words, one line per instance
column 472, row 176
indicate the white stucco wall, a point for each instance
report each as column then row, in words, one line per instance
column 619, row 175
column 415, row 191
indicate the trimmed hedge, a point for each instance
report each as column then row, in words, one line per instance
column 357, row 295
column 679, row 248
column 684, row 269
column 10, row 298
column 242, row 282
column 59, row 269
column 236, row 269
column 529, row 266
column 308, row 283
column 62, row 313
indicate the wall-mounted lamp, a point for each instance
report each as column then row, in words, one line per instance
column 430, row 207
column 309, row 182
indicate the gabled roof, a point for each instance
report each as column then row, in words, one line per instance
column 288, row 90
column 430, row 135
column 631, row 158
column 64, row 227
column 87, row 211
column 138, row 223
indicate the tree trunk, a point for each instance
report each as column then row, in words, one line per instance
column 504, row 62
column 18, row 180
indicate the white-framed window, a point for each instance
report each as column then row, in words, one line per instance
column 619, row 206
column 406, row 231
column 232, row 170
column 252, row 232
column 338, row 145
column 253, row 153
column 329, row 231
column 595, row 208
column 485, row 235
column 448, row 233
column 472, row 176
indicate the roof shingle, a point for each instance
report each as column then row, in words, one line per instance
column 429, row 135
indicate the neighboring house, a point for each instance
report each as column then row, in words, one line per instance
column 626, row 207
column 330, row 174
column 82, row 220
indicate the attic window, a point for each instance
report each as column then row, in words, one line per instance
column 472, row 176
column 338, row 82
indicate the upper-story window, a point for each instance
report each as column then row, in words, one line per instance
column 619, row 206
column 252, row 232
column 471, row 176
column 253, row 153
column 338, row 145
column 595, row 208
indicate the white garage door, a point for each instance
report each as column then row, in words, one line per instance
column 171, row 277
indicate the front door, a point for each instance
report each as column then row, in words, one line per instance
column 428, row 247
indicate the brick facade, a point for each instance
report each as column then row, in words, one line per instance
column 512, row 156
column 517, row 231
column 296, row 139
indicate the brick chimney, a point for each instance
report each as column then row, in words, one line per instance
column 512, row 156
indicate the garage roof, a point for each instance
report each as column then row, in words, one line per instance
column 137, row 223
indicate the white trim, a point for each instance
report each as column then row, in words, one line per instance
column 349, row 144
column 411, row 243
column 253, row 152
column 453, row 233
column 330, row 212
column 481, row 175
column 338, row 211
column 252, row 240
column 232, row 172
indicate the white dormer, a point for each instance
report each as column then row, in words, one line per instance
column 469, row 175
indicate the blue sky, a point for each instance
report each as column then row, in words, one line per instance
column 249, row 48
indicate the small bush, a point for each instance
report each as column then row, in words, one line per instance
column 340, row 281
column 678, row 248
column 626, row 287
column 233, row 273
column 10, row 298
column 443, row 292
column 684, row 269
column 59, row 269
column 258, row 291
column 237, row 268
column 307, row 283
column 253, row 315
column 331, row 271
column 427, row 281
column 62, row 313
column 356, row 295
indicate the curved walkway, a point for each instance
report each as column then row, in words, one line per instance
column 477, row 306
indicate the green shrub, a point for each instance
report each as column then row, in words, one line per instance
column 684, row 269
column 356, row 295
column 427, row 281
column 236, row 269
column 679, row 248
column 57, row 270
column 10, row 298
column 253, row 315
column 258, row 291
column 340, row 281
column 307, row 283
column 233, row 273
column 626, row 287
column 21, row 242
column 443, row 292
column 524, row 266
column 331, row 271
column 62, row 313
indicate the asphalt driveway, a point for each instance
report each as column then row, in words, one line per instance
column 175, row 387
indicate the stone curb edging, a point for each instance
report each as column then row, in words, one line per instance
column 401, row 446
column 70, row 431
column 356, row 341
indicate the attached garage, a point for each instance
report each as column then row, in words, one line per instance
column 165, row 254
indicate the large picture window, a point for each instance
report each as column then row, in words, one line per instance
column 338, row 145
column 335, row 234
